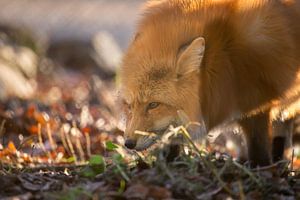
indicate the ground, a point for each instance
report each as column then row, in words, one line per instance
column 65, row 143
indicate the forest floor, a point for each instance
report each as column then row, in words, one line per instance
column 64, row 143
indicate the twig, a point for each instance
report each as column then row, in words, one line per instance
column 64, row 140
column 40, row 137
column 269, row 166
column 50, row 167
column 80, row 150
column 292, row 164
column 2, row 130
column 41, row 141
column 71, row 147
column 49, row 133
column 88, row 143
column 77, row 135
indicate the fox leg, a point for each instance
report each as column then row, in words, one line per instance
column 282, row 132
column 256, row 129
column 242, row 150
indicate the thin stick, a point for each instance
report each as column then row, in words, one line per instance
column 41, row 142
column 40, row 137
column 71, row 147
column 51, row 167
column 49, row 133
column 88, row 143
column 80, row 149
column 2, row 130
column 292, row 164
column 269, row 166
column 63, row 139
column 77, row 141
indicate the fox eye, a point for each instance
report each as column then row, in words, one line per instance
column 153, row 105
column 126, row 105
column 129, row 107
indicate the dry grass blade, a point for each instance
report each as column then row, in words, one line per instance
column 242, row 194
column 49, row 133
column 249, row 173
column 80, row 149
column 41, row 143
column 78, row 135
column 71, row 147
column 292, row 163
column 88, row 143
column 64, row 139
column 144, row 133
column 2, row 129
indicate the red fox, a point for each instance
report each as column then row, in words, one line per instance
column 214, row 60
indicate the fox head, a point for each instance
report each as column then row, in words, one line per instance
column 156, row 83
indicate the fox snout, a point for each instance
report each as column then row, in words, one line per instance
column 141, row 134
column 139, row 137
column 140, row 140
column 130, row 143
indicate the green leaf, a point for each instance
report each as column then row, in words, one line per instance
column 96, row 160
column 71, row 159
column 122, row 186
column 111, row 146
column 88, row 172
column 96, row 166
column 117, row 158
column 70, row 194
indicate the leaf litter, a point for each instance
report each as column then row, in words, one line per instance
column 65, row 143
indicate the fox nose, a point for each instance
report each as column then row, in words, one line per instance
column 130, row 143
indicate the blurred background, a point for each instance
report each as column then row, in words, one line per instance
column 87, row 35
column 58, row 66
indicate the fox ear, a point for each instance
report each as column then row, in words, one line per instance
column 191, row 57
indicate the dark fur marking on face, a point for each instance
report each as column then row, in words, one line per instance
column 158, row 74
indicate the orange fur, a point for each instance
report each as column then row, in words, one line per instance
column 251, row 59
